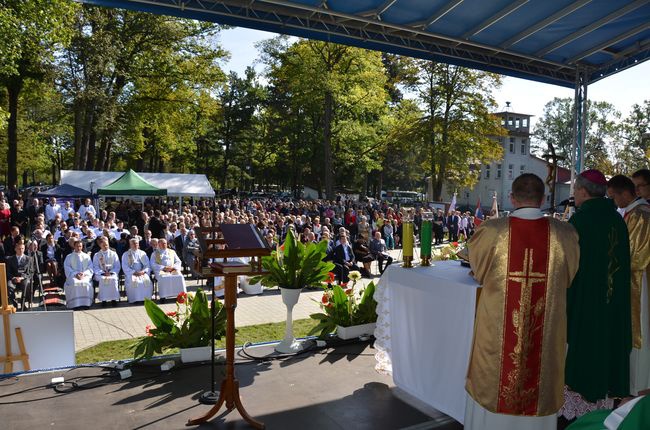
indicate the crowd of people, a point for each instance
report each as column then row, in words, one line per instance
column 80, row 248
column 563, row 321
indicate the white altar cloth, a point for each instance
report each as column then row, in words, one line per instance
column 424, row 332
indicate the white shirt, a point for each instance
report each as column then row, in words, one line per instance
column 85, row 210
column 51, row 211
column 527, row 213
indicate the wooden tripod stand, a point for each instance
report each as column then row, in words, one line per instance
column 240, row 240
column 229, row 393
column 6, row 309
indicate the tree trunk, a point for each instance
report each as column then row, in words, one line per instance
column 92, row 139
column 224, row 168
column 327, row 145
column 78, row 134
column 13, row 92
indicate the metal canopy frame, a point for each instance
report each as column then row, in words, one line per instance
column 561, row 42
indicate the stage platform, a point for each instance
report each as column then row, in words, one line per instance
column 330, row 389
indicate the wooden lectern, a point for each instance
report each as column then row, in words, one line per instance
column 239, row 240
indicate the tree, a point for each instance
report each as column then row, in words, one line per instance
column 117, row 56
column 634, row 151
column 338, row 94
column 553, row 134
column 456, row 130
column 35, row 29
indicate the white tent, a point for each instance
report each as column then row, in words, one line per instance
column 176, row 184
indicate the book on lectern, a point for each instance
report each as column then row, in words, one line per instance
column 242, row 236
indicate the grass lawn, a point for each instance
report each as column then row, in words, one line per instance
column 120, row 349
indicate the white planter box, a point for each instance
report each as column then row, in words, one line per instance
column 251, row 289
column 200, row 353
column 355, row 331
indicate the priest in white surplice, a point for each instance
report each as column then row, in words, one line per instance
column 135, row 265
column 78, row 287
column 106, row 265
column 166, row 267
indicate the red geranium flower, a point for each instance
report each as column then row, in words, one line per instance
column 349, row 291
column 171, row 314
column 331, row 277
column 325, row 299
column 147, row 330
column 344, row 284
column 181, row 298
column 455, row 244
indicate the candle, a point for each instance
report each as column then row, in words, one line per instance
column 425, row 238
column 407, row 240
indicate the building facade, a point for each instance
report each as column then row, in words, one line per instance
column 497, row 177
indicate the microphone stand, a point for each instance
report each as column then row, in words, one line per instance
column 211, row 397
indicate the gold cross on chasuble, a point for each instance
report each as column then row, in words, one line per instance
column 525, row 299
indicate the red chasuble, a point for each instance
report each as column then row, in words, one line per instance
column 525, row 302
column 517, row 361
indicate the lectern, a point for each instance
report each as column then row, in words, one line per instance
column 220, row 244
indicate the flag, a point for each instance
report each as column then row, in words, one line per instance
column 478, row 214
column 494, row 212
column 452, row 205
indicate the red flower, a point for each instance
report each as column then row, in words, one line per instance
column 171, row 314
column 147, row 330
column 455, row 244
column 349, row 291
column 344, row 284
column 329, row 305
column 282, row 248
column 331, row 277
column 181, row 298
column 325, row 299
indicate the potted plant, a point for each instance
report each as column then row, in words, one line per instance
column 292, row 267
column 350, row 313
column 187, row 328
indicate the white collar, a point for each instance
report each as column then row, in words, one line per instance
column 527, row 213
column 639, row 201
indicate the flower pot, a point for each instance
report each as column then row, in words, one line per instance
column 354, row 331
column 199, row 353
column 249, row 288
column 289, row 344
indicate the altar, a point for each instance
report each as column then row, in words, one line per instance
column 424, row 332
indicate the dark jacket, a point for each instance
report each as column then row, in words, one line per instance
column 339, row 254
column 24, row 270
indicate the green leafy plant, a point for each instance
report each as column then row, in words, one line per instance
column 345, row 307
column 294, row 265
column 449, row 252
column 188, row 327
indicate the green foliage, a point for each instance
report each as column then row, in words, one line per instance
column 188, row 327
column 345, row 309
column 295, row 265
column 120, row 349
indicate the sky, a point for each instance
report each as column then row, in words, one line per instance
column 623, row 89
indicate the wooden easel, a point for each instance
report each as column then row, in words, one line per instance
column 7, row 310
column 229, row 393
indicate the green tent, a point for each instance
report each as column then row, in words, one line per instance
column 131, row 184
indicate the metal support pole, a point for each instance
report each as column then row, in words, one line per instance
column 584, row 120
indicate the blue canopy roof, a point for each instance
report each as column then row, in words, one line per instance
column 65, row 190
column 541, row 40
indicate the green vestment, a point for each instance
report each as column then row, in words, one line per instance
column 637, row 419
column 599, row 328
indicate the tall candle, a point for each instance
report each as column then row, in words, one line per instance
column 425, row 238
column 407, row 239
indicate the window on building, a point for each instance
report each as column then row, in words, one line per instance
column 512, row 145
column 511, row 171
column 503, row 122
column 517, row 122
column 524, row 122
column 487, row 171
column 522, row 169
column 523, row 146
column 498, row 171
column 509, row 122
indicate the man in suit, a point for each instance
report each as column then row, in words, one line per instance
column 11, row 241
column 20, row 272
column 344, row 259
column 145, row 242
column 380, row 252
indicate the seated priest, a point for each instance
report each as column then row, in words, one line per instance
column 78, row 288
column 135, row 265
column 106, row 265
column 166, row 267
